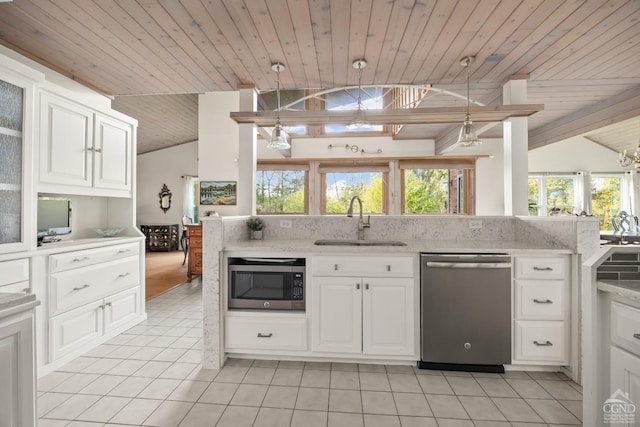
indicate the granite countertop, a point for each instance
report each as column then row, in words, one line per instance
column 8, row 301
column 624, row 288
column 413, row 246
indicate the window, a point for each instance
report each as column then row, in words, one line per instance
column 552, row 195
column 347, row 99
column 605, row 197
column 437, row 187
column 281, row 189
column 341, row 183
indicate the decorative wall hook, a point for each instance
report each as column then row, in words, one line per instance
column 355, row 149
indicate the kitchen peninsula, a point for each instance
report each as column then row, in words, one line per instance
column 547, row 239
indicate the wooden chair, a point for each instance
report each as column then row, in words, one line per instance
column 184, row 242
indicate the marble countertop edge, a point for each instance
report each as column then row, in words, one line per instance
column 413, row 246
column 15, row 302
column 624, row 288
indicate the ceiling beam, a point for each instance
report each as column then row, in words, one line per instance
column 495, row 113
column 621, row 107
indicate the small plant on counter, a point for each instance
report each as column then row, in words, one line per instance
column 255, row 224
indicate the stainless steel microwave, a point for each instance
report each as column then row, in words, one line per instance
column 267, row 283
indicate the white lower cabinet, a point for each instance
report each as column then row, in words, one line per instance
column 17, row 371
column 92, row 293
column 625, row 376
column 364, row 315
column 541, row 326
column 337, row 314
column 80, row 327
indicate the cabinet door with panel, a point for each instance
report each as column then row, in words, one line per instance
column 337, row 314
column 113, row 153
column 66, row 142
column 76, row 328
column 625, row 375
column 387, row 316
column 17, row 385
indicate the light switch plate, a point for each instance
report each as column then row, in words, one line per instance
column 285, row 223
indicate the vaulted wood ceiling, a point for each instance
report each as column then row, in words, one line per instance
column 582, row 57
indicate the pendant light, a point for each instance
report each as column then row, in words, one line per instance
column 278, row 136
column 468, row 137
column 359, row 119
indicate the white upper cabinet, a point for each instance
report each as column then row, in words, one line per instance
column 66, row 141
column 83, row 151
column 112, row 151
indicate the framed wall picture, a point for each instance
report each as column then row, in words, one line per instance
column 218, row 192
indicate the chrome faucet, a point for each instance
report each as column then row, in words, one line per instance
column 361, row 223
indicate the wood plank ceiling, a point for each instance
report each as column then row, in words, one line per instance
column 582, row 57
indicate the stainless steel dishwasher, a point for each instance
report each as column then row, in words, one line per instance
column 465, row 312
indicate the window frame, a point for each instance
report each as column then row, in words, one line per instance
column 542, row 190
column 278, row 166
column 468, row 167
column 358, row 167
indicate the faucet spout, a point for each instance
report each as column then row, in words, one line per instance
column 361, row 223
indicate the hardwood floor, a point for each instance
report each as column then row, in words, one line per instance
column 164, row 271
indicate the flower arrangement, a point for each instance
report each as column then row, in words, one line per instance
column 255, row 224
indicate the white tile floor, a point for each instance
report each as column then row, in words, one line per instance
column 151, row 376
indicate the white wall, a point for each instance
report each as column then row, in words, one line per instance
column 164, row 167
column 311, row 148
column 572, row 155
column 218, row 148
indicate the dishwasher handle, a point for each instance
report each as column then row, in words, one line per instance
column 488, row 265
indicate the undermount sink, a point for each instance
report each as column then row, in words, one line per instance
column 341, row 242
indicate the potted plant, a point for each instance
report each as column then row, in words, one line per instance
column 256, row 225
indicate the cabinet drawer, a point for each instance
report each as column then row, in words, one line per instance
column 625, row 325
column 194, row 230
column 541, row 341
column 14, row 271
column 541, row 267
column 362, row 266
column 195, row 242
column 70, row 289
column 265, row 333
column 540, row 299
column 70, row 260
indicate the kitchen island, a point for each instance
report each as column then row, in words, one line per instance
column 228, row 237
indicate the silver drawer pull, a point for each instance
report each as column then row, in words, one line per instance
column 120, row 276
column 84, row 258
column 335, row 267
column 366, row 286
column 98, row 150
column 636, row 336
column 388, row 267
column 357, row 285
column 108, row 304
column 261, row 335
column 543, row 344
column 536, row 268
column 542, row 301
column 81, row 287
column 123, row 251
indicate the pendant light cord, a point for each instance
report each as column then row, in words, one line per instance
column 359, row 86
column 468, row 91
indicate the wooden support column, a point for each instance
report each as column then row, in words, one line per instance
column 516, row 146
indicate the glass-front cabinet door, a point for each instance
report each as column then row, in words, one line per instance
column 11, row 154
column 16, row 193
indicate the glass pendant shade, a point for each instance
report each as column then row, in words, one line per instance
column 278, row 139
column 359, row 119
column 468, row 137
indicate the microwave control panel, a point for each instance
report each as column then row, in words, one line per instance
column 297, row 288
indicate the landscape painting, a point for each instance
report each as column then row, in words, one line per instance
column 218, row 192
